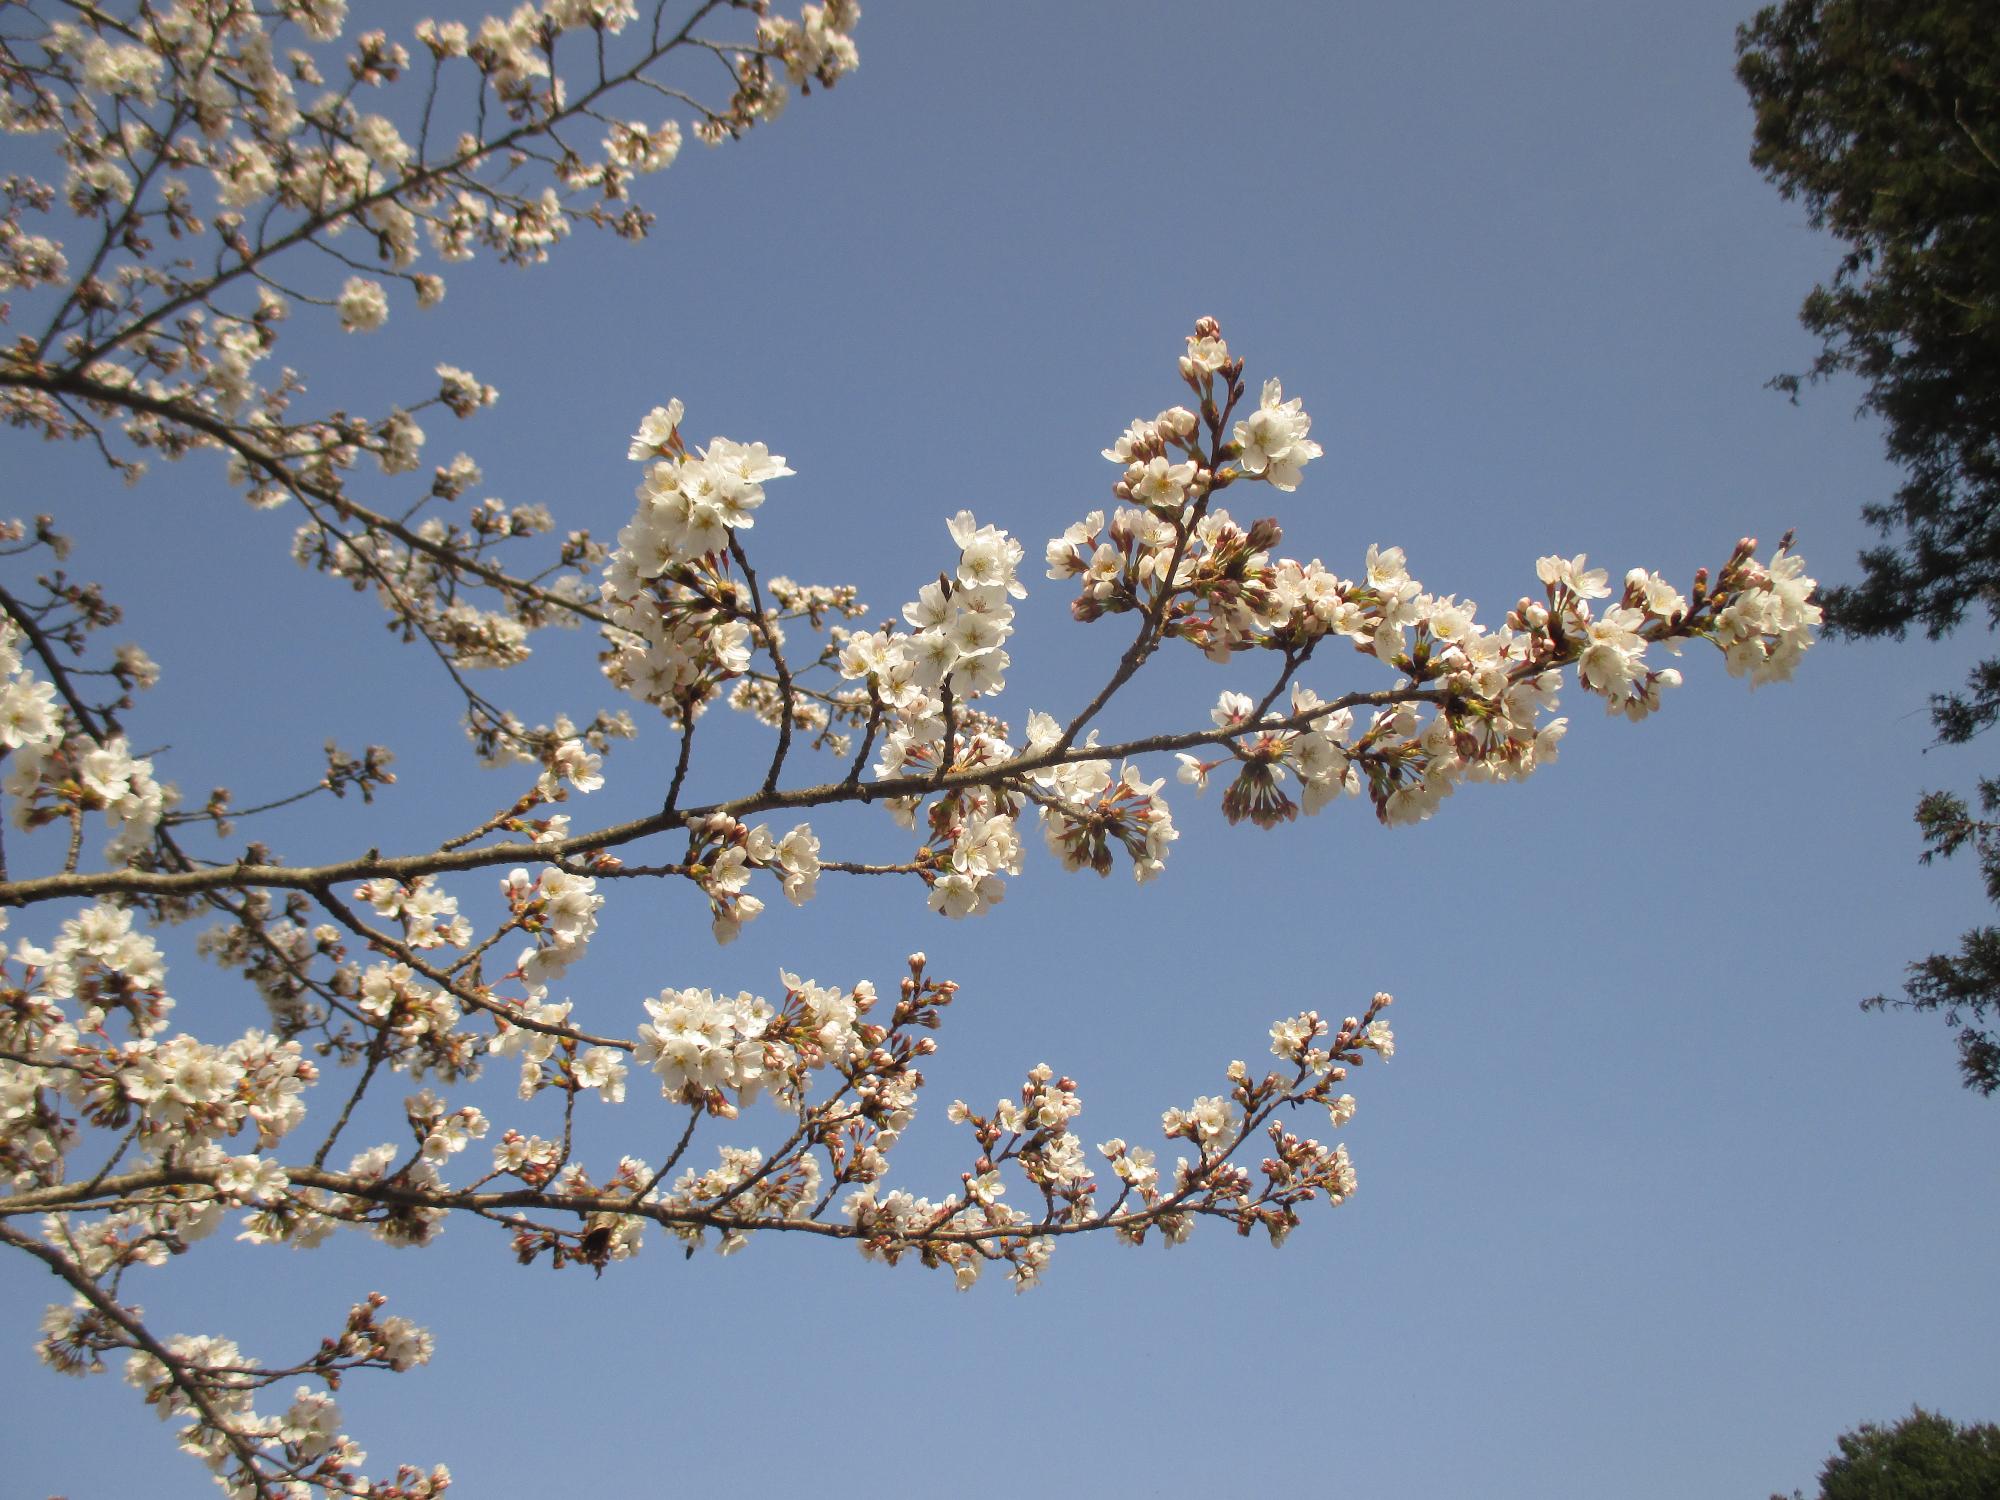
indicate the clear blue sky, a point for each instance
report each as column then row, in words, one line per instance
column 1647, row 1207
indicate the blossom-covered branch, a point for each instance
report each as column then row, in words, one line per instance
column 389, row 980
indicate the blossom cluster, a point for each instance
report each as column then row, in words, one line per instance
column 1492, row 693
column 198, row 1378
column 722, row 856
column 54, row 774
column 560, row 908
column 125, row 1138
column 248, row 133
column 684, row 612
column 1468, row 701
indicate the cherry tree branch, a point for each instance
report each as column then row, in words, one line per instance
column 406, row 868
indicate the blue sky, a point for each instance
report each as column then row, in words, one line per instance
column 1647, row 1207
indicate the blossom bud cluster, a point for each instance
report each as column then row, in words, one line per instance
column 1471, row 702
column 178, row 1097
column 1321, row 757
column 406, row 1008
column 896, row 1224
column 952, row 653
column 560, row 909
column 223, row 1427
column 1271, row 443
column 86, row 1053
column 679, row 624
column 55, row 774
column 213, row 129
column 712, row 1052
column 973, row 843
column 440, row 1132
column 705, row 1048
column 1085, row 809
column 567, row 757
column 722, row 856
column 1478, row 702
column 774, row 1194
column 721, row 1052
column 428, row 914
column 1299, row 1169
column 570, row 761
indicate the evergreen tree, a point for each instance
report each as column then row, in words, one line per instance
column 1883, row 118
column 1923, row 1457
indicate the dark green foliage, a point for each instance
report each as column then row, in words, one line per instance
column 1923, row 1457
column 1964, row 985
column 1883, row 118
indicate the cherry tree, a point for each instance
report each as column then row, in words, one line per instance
column 190, row 178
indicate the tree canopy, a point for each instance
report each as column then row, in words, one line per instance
column 1923, row 1457
column 1883, row 118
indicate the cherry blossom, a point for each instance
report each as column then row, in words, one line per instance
column 131, row 1127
